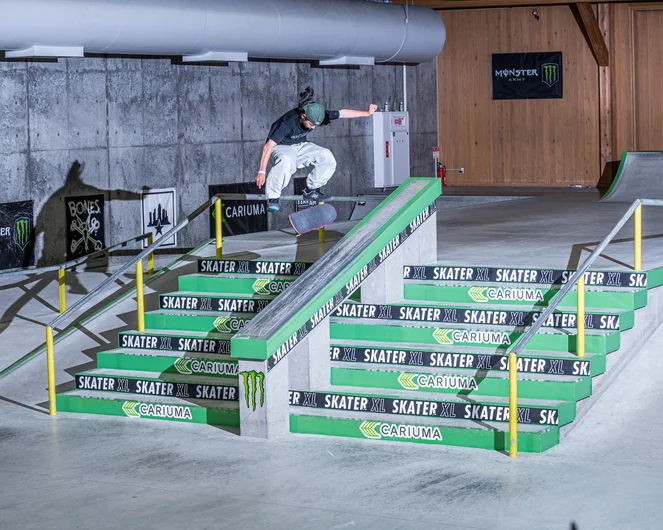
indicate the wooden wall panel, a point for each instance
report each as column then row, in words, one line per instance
column 516, row 142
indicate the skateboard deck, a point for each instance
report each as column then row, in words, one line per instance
column 312, row 218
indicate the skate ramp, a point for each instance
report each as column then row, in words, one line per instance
column 640, row 176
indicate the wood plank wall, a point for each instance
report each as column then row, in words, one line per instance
column 517, row 142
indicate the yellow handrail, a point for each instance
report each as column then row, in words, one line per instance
column 580, row 318
column 637, row 240
column 218, row 229
column 139, row 297
column 62, row 291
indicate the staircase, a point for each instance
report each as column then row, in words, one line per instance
column 427, row 369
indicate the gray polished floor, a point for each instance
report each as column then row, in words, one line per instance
column 104, row 473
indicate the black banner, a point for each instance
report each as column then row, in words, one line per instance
column 179, row 344
column 350, row 287
column 527, row 75
column 85, row 231
column 417, row 407
column 156, row 388
column 17, row 238
column 490, row 317
column 532, row 276
column 470, row 361
column 228, row 266
column 212, row 303
column 239, row 217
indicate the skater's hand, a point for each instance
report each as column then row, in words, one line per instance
column 260, row 179
column 372, row 108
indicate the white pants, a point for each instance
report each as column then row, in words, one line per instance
column 289, row 158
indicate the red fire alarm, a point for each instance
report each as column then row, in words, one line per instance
column 387, row 149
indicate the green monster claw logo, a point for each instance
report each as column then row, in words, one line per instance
column 367, row 428
column 22, row 232
column 259, row 286
column 550, row 74
column 251, row 381
column 441, row 335
column 476, row 294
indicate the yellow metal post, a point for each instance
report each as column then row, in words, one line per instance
column 150, row 256
column 219, row 230
column 50, row 368
column 61, row 291
column 513, row 405
column 581, row 316
column 637, row 228
column 139, row 296
column 321, row 230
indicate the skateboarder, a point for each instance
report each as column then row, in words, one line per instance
column 290, row 149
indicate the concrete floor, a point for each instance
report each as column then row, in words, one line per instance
column 94, row 472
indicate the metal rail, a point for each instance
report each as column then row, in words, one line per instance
column 577, row 278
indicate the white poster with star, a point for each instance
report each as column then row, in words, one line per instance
column 160, row 214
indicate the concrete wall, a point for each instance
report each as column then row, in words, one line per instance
column 136, row 123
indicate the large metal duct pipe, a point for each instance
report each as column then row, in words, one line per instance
column 330, row 31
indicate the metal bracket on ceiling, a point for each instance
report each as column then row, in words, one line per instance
column 217, row 57
column 45, row 51
column 348, row 60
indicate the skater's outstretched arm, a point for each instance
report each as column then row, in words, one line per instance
column 264, row 159
column 349, row 113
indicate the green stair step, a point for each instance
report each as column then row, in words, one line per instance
column 542, row 363
column 550, row 340
column 193, row 301
column 495, row 437
column 156, row 384
column 191, row 342
column 136, row 406
column 246, row 284
column 487, row 315
column 529, row 297
column 196, row 321
column 231, row 266
column 466, row 382
column 408, row 404
column 168, row 363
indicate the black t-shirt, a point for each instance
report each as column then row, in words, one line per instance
column 288, row 130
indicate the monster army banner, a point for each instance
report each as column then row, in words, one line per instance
column 85, row 232
column 16, row 235
column 526, row 75
column 239, row 217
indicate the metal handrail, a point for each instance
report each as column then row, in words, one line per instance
column 70, row 264
column 576, row 278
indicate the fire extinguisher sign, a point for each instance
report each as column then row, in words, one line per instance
column 436, row 153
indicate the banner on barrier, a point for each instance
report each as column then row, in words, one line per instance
column 160, row 214
column 17, row 239
column 239, row 217
column 85, row 231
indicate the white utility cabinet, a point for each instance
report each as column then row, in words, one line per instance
column 391, row 148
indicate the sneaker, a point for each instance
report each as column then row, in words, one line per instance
column 315, row 195
column 273, row 205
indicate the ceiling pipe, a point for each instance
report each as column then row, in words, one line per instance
column 332, row 31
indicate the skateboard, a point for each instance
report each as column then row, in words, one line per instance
column 312, row 218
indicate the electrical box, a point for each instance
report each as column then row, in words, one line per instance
column 391, row 148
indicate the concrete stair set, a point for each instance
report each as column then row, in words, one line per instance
column 429, row 368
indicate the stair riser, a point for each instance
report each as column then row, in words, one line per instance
column 239, row 285
column 155, row 342
column 559, row 414
column 204, row 323
column 395, row 432
column 573, row 390
column 152, row 387
column 145, row 410
column 168, row 365
column 210, row 303
column 530, row 297
column 411, row 359
column 493, row 317
column 599, row 344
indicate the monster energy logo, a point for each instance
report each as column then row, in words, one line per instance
column 251, row 381
column 549, row 72
column 22, row 232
